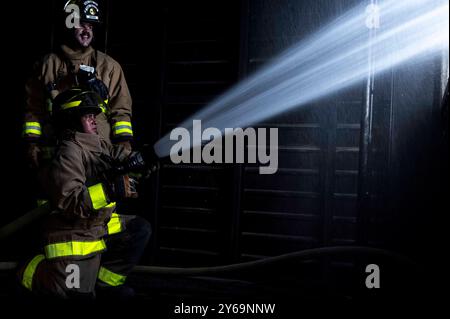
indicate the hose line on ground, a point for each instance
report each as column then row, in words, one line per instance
column 299, row 255
column 44, row 209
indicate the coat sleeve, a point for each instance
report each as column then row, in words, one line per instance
column 35, row 103
column 68, row 189
column 120, row 105
column 118, row 152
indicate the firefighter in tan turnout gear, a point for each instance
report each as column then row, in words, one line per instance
column 86, row 232
column 76, row 63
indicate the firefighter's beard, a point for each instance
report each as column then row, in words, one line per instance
column 83, row 38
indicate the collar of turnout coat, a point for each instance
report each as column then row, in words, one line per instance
column 79, row 54
column 89, row 142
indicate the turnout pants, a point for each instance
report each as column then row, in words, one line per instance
column 112, row 259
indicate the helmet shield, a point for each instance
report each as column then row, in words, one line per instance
column 89, row 10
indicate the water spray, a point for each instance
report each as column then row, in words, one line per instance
column 332, row 59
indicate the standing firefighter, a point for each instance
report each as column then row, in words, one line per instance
column 76, row 63
column 86, row 234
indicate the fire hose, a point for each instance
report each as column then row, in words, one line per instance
column 24, row 220
column 43, row 210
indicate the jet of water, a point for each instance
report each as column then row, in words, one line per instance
column 330, row 60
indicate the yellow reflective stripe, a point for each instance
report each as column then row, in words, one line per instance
column 27, row 279
column 104, row 106
column 122, row 131
column 110, row 277
column 114, row 225
column 40, row 202
column 74, row 248
column 69, row 105
column 98, row 196
column 122, row 123
column 33, row 124
column 122, row 127
column 32, row 131
column 112, row 204
column 32, row 128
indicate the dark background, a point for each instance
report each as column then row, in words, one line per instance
column 177, row 56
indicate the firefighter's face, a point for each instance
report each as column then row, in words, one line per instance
column 89, row 124
column 84, row 34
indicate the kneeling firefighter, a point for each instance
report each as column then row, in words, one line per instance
column 89, row 248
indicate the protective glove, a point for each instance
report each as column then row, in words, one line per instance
column 151, row 159
column 98, row 86
column 89, row 80
column 125, row 144
column 121, row 187
column 142, row 164
column 33, row 152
